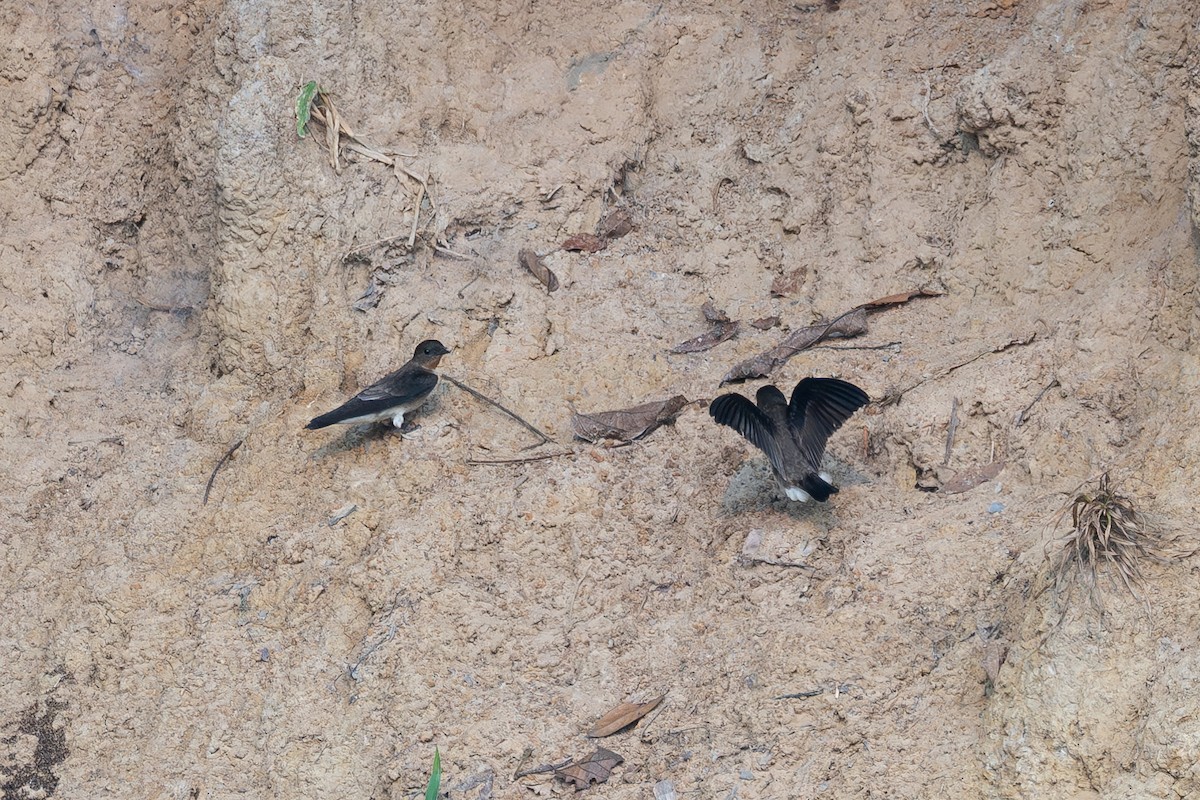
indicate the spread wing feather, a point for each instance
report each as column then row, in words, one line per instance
column 737, row 412
column 819, row 407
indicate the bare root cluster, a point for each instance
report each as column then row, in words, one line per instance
column 1109, row 535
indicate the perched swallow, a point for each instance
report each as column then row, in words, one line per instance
column 393, row 396
column 793, row 435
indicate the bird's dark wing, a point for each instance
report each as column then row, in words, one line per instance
column 819, row 407
column 737, row 412
column 404, row 386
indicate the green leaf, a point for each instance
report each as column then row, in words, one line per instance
column 304, row 107
column 435, row 776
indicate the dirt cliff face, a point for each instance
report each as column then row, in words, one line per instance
column 181, row 272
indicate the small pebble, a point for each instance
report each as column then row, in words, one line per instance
column 995, row 508
column 746, row 775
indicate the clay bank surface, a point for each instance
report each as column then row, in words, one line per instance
column 182, row 273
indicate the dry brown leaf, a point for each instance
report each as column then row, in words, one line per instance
column 615, row 225
column 969, row 479
column 622, row 717
column 765, row 323
column 852, row 323
column 627, row 424
column 585, row 242
column 902, row 297
column 719, row 332
column 712, row 313
column 532, row 262
column 596, row 768
column 788, row 283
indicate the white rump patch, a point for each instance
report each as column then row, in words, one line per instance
column 796, row 493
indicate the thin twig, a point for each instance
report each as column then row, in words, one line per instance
column 353, row 669
column 950, row 431
column 440, row 246
column 542, row 769
column 490, row 401
column 824, row 331
column 925, row 107
column 519, row 459
column 887, row 346
column 716, row 192
column 772, row 562
column 999, row 349
column 800, row 695
column 166, row 309
column 117, row 440
column 468, row 286
column 1022, row 416
column 412, row 237
column 653, row 716
column 228, row 455
column 372, row 245
column 575, row 596
column 894, row 397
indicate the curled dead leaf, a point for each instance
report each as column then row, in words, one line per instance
column 533, row 262
column 622, row 717
column 627, row 424
column 615, row 224
column 721, row 329
column 585, row 243
column 788, row 283
column 719, row 332
column 712, row 313
column 852, row 323
column 765, row 323
column 596, row 768
column 969, row 479
column 902, row 297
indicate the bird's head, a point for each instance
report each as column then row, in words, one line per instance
column 769, row 396
column 429, row 353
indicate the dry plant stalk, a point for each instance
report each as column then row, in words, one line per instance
column 1107, row 529
column 337, row 131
